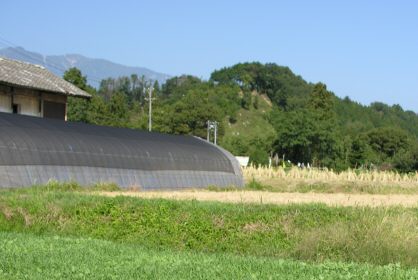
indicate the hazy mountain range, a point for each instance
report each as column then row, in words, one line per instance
column 95, row 69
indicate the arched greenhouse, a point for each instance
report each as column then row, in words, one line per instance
column 35, row 150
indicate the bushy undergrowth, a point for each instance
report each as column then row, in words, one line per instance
column 26, row 256
column 306, row 232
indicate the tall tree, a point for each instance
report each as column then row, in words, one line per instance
column 77, row 108
column 322, row 101
column 119, row 110
column 324, row 141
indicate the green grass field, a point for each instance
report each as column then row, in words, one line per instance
column 56, row 228
column 26, row 256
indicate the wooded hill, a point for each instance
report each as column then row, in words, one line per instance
column 263, row 110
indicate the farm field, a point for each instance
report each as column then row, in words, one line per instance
column 327, row 181
column 27, row 256
column 279, row 186
column 266, row 197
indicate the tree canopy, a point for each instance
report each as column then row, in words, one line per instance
column 262, row 110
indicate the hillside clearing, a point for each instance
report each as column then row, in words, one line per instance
column 262, row 197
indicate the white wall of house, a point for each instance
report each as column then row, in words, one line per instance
column 5, row 101
column 28, row 105
column 29, row 102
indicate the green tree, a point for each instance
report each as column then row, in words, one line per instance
column 74, row 76
column 406, row 160
column 156, row 88
column 310, row 134
column 295, row 131
column 259, row 151
column 387, row 142
column 324, row 141
column 321, row 101
column 360, row 152
column 119, row 110
column 98, row 112
column 77, row 108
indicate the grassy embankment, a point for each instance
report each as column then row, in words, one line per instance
column 327, row 181
column 251, row 123
column 309, row 232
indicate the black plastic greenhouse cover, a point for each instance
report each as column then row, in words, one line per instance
column 35, row 150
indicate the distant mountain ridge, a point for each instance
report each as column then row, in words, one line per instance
column 95, row 69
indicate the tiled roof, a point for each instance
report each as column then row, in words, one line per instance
column 22, row 74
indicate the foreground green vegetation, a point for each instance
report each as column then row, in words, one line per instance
column 26, row 256
column 313, row 233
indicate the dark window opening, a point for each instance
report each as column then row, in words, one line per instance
column 15, row 108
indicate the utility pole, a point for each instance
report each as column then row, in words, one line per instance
column 150, row 110
column 212, row 125
column 208, row 135
column 149, row 99
column 216, row 132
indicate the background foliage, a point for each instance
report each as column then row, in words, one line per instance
column 263, row 110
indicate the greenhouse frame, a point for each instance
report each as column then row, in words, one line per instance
column 34, row 151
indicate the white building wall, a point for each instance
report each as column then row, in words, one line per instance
column 5, row 103
column 243, row 161
column 27, row 100
column 28, row 105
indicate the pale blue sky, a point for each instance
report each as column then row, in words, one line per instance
column 367, row 50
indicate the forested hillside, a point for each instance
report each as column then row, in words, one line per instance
column 263, row 110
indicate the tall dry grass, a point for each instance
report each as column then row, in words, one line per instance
column 385, row 237
column 305, row 180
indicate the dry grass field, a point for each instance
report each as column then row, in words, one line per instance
column 294, row 186
column 327, row 181
column 263, row 197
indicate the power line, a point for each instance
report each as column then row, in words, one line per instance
column 36, row 59
column 25, row 54
column 28, row 56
